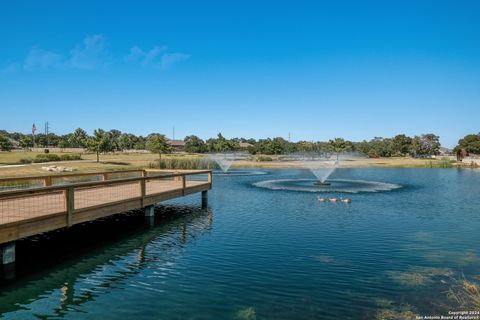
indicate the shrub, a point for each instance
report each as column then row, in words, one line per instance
column 264, row 158
column 26, row 160
column 373, row 154
column 70, row 157
column 47, row 157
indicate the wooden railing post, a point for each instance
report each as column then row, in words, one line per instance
column 47, row 181
column 104, row 176
column 143, row 190
column 69, row 204
column 210, row 178
column 184, row 183
column 177, row 178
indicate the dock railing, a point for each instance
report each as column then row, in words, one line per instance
column 28, row 211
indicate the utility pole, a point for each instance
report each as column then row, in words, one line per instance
column 47, row 127
column 34, row 128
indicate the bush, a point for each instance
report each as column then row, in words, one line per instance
column 47, row 157
column 26, row 160
column 373, row 154
column 264, row 158
column 70, row 157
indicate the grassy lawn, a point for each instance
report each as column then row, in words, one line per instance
column 15, row 156
column 108, row 162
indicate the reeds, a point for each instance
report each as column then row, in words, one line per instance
column 179, row 163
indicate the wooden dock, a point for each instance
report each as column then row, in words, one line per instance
column 61, row 201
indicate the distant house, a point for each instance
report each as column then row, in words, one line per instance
column 245, row 145
column 177, row 145
column 445, row 151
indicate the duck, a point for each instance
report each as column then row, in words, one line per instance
column 332, row 199
column 320, row 199
column 346, row 200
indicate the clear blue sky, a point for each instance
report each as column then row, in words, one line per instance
column 355, row 69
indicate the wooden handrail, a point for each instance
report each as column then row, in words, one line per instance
column 59, row 206
column 30, row 191
column 59, row 176
column 103, row 174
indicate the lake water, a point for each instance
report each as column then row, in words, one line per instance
column 258, row 253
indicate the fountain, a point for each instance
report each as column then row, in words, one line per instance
column 322, row 165
column 226, row 159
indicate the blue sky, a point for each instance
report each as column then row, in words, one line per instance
column 316, row 69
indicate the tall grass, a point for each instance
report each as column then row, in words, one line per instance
column 442, row 163
column 179, row 163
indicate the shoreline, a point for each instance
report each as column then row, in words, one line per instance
column 126, row 162
column 361, row 163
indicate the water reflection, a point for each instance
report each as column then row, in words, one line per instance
column 107, row 264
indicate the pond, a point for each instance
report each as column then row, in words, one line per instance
column 267, row 253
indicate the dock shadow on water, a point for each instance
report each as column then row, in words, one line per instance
column 80, row 263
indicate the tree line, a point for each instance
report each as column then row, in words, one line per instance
column 400, row 145
column 100, row 142
column 114, row 140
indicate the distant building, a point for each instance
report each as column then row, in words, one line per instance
column 445, row 151
column 177, row 145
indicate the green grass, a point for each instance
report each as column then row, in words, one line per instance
column 442, row 163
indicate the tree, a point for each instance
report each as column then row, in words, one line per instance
column 305, row 146
column 402, row 144
column 194, row 144
column 79, row 138
column 101, row 142
column 375, row 148
column 140, row 143
column 5, row 143
column 426, row 144
column 115, row 136
column 157, row 143
column 340, row 145
column 278, row 146
column 26, row 142
column 63, row 143
column 471, row 143
column 127, row 141
column 222, row 144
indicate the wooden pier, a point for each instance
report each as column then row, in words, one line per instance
column 61, row 201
